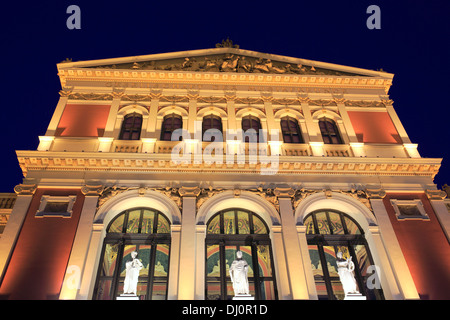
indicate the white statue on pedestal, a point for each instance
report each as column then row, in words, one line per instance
column 345, row 271
column 238, row 274
column 132, row 274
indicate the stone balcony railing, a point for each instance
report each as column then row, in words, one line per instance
column 7, row 201
column 337, row 150
column 152, row 145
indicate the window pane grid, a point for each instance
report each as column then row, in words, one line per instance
column 211, row 122
column 329, row 131
column 291, row 130
column 170, row 123
column 324, row 242
column 251, row 126
column 135, row 230
column 131, row 127
column 244, row 231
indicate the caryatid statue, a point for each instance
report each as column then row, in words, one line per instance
column 132, row 268
column 238, row 274
column 345, row 271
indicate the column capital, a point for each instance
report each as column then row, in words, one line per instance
column 92, row 189
column 65, row 92
column 435, row 194
column 189, row 191
column 375, row 192
column 117, row 93
column 25, row 188
column 284, row 192
column 303, row 98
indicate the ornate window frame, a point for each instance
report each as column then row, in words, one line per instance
column 396, row 204
column 47, row 200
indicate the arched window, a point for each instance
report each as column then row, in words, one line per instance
column 291, row 130
column 329, row 131
column 147, row 232
column 235, row 230
column 211, row 122
column 329, row 232
column 131, row 127
column 170, row 123
column 251, row 122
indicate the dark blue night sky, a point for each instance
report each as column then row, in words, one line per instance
column 413, row 43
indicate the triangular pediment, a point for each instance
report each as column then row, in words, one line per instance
column 225, row 60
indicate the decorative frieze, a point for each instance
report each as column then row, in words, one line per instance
column 110, row 192
column 218, row 99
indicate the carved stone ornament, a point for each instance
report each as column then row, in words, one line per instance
column 112, row 191
column 446, row 189
column 301, row 194
column 360, row 195
column 365, row 104
column 227, row 62
column 227, row 44
column 89, row 96
column 268, row 194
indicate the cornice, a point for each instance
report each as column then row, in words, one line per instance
column 111, row 76
column 162, row 163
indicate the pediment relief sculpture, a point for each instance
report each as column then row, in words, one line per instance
column 228, row 62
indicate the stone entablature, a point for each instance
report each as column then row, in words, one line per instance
column 37, row 161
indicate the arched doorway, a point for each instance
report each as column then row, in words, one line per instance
column 329, row 232
column 142, row 230
column 229, row 231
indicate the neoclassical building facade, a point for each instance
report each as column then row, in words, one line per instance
column 188, row 157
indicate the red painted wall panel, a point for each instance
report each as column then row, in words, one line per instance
column 374, row 127
column 83, row 120
column 37, row 265
column 425, row 248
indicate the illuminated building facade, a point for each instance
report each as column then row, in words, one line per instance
column 188, row 157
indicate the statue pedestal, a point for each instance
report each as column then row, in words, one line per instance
column 126, row 296
column 243, row 297
column 355, row 296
